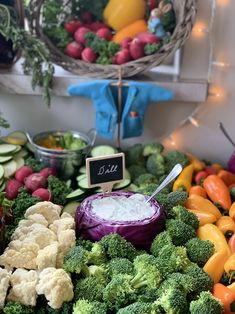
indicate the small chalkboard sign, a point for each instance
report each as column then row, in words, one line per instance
column 104, row 171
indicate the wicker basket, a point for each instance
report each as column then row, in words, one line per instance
column 185, row 11
column 18, row 7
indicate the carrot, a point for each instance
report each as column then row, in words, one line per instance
column 198, row 190
column 217, row 191
column 131, row 30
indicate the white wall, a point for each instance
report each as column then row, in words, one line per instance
column 30, row 114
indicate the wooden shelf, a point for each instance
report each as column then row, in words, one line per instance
column 14, row 81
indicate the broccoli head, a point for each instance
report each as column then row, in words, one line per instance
column 137, row 308
column 14, row 307
column 88, row 307
column 146, row 178
column 146, row 271
column 172, row 199
column 179, row 231
column 175, row 157
column 199, row 251
column 75, row 260
column 181, row 213
column 152, row 148
column 159, row 241
column 147, row 189
column 156, row 165
column 86, row 244
column 96, row 255
column 119, row 266
column 206, row 303
column 89, row 288
column 59, row 189
column 116, row 246
column 135, row 171
column 134, row 155
column 119, row 292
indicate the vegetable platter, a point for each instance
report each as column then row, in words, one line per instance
column 47, row 267
column 97, row 38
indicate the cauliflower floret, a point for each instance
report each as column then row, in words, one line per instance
column 49, row 210
column 62, row 224
column 56, row 285
column 4, row 285
column 20, row 255
column 67, row 239
column 32, row 219
column 23, row 286
column 47, row 257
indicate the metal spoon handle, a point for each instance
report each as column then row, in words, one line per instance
column 171, row 176
column 226, row 134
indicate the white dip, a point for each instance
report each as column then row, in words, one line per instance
column 122, row 208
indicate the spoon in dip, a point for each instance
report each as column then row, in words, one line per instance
column 171, row 176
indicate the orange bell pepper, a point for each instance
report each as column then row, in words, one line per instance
column 232, row 286
column 227, row 225
column 214, row 267
column 198, row 165
column 231, row 211
column 217, row 191
column 203, row 216
column 226, row 296
column 229, row 266
column 227, row 176
column 184, row 180
column 197, row 202
column 211, row 232
column 198, row 190
column 217, row 167
column 231, row 243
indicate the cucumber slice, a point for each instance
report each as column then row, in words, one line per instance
column 83, row 184
column 82, row 169
column 123, row 184
column 2, row 186
column 19, row 162
column 102, row 150
column 76, row 194
column 81, row 177
column 71, row 208
column 18, row 148
column 7, row 149
column 1, row 172
column 16, row 138
column 5, row 159
column 10, row 168
column 22, row 153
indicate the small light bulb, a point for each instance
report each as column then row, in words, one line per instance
column 200, row 29
column 220, row 64
column 194, row 122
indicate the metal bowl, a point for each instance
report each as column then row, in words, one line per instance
column 65, row 162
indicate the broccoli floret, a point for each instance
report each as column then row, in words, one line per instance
column 116, row 246
column 152, row 148
column 171, row 199
column 96, row 255
column 179, row 231
column 137, row 308
column 119, row 266
column 13, row 307
column 35, row 165
column 159, row 241
column 89, row 288
column 96, row 271
column 175, row 157
column 119, row 292
column 134, row 155
column 66, row 308
column 88, row 307
column 135, row 171
column 76, row 260
column 86, row 244
column 206, row 303
column 181, row 213
column 146, row 295
column 173, row 301
column 172, row 259
column 147, row 189
column 147, row 272
column 200, row 280
column 199, row 251
column 59, row 190
column 156, row 165
column 146, row 178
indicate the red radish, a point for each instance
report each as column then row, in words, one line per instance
column 35, row 181
column 148, row 38
column 12, row 188
column 46, row 172
column 22, row 173
column 97, row 25
column 74, row 50
column 43, row 194
column 87, row 17
column 72, row 25
column 79, row 35
column 104, row 33
column 125, row 43
column 88, row 55
column 122, row 56
column 136, row 49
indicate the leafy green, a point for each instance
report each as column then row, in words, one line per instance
column 94, row 7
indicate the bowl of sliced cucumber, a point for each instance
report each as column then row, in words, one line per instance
column 65, row 151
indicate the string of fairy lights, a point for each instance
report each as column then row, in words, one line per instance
column 215, row 93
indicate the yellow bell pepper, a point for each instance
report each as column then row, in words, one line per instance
column 229, row 266
column 203, row 216
column 120, row 13
column 184, row 180
column 214, row 267
column 212, row 233
column 198, row 165
column 227, row 225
